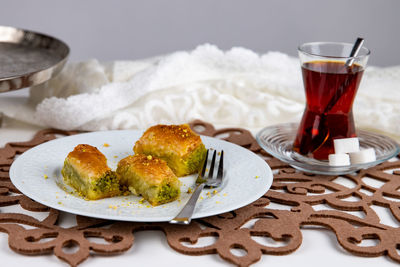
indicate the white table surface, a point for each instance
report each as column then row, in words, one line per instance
column 150, row 248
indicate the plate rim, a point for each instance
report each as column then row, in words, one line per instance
column 202, row 214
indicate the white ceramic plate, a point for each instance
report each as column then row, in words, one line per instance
column 37, row 174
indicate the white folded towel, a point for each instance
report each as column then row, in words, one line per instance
column 233, row 88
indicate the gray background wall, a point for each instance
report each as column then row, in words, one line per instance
column 110, row 30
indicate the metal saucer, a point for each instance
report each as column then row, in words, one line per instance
column 28, row 58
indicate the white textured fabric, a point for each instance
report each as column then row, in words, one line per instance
column 236, row 88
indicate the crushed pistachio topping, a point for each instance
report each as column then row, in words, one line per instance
column 166, row 193
column 189, row 190
column 107, row 183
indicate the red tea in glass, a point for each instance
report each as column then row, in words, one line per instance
column 330, row 89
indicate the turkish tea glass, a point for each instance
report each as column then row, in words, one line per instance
column 330, row 88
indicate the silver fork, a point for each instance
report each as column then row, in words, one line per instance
column 203, row 180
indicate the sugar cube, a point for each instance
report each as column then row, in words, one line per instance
column 339, row 159
column 346, row 145
column 362, row 156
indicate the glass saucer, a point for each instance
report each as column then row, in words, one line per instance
column 277, row 140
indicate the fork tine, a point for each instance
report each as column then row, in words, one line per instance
column 211, row 172
column 203, row 170
column 221, row 166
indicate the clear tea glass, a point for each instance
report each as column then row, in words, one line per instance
column 330, row 88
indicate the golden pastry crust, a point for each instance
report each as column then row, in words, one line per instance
column 89, row 160
column 150, row 177
column 86, row 170
column 178, row 145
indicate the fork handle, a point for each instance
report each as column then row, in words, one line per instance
column 185, row 215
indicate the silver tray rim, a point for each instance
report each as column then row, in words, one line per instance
column 31, row 78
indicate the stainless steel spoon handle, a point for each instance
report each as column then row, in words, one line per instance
column 185, row 216
column 354, row 51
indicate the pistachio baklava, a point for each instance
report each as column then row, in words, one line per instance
column 178, row 145
column 149, row 177
column 86, row 170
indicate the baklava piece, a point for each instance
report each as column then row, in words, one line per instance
column 178, row 145
column 149, row 177
column 86, row 170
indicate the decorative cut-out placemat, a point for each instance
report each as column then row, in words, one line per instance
column 239, row 229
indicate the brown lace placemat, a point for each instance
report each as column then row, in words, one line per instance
column 233, row 230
